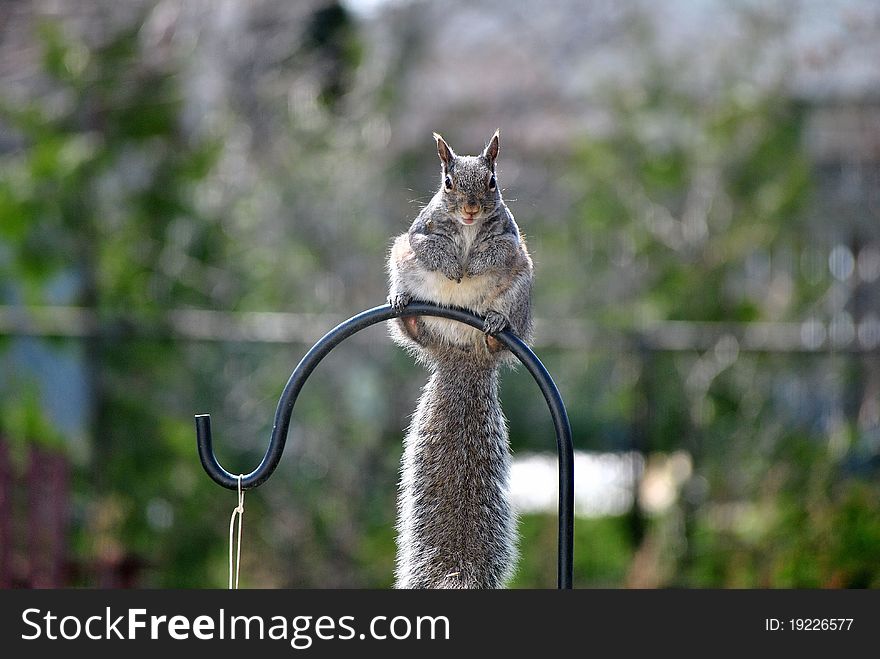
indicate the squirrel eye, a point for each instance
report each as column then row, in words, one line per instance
column 492, row 182
column 448, row 182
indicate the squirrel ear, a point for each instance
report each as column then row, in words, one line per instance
column 491, row 150
column 443, row 150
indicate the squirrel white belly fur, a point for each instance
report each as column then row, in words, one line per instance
column 455, row 525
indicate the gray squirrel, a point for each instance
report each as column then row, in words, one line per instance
column 455, row 525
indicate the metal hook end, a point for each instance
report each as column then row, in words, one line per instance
column 205, row 444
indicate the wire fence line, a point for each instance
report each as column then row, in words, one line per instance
column 809, row 336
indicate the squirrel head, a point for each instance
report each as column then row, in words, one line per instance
column 468, row 187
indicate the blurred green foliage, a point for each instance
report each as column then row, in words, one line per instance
column 69, row 211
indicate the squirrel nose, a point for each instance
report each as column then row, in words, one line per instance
column 471, row 208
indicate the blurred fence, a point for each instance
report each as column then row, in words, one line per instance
column 841, row 333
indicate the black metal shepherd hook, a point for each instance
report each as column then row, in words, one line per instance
column 361, row 321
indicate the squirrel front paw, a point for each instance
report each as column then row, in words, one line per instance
column 399, row 300
column 495, row 322
column 453, row 271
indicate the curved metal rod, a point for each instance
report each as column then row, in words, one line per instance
column 376, row 315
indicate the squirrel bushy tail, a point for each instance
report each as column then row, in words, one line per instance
column 455, row 524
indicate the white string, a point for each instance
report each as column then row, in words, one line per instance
column 239, row 511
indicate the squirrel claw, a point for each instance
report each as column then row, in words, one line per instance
column 495, row 323
column 399, row 301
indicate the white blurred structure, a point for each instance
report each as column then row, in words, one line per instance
column 604, row 483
